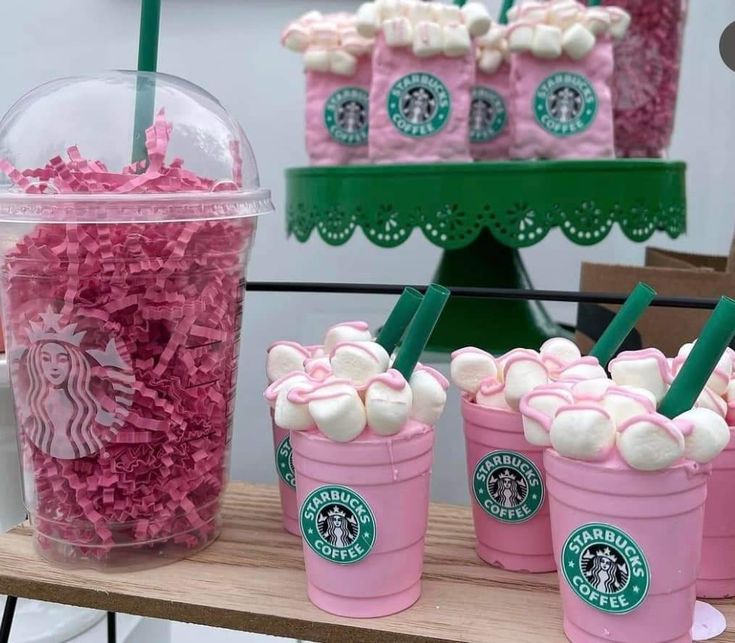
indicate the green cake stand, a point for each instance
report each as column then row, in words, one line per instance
column 481, row 214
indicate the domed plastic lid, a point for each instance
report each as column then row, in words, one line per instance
column 125, row 146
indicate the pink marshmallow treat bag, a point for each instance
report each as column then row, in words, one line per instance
column 647, row 65
column 337, row 62
column 490, row 118
column 122, row 288
column 561, row 73
column 423, row 75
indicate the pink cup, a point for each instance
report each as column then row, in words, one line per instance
column 513, row 531
column 717, row 570
column 286, row 478
column 363, row 514
column 628, row 544
column 490, row 126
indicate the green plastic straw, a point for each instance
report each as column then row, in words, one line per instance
column 460, row 3
column 621, row 325
column 145, row 96
column 503, row 19
column 399, row 319
column 696, row 370
column 420, row 329
column 593, row 3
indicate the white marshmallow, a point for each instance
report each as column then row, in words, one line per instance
column 428, row 39
column 456, row 40
column 429, row 395
column 293, row 415
column 477, row 18
column 708, row 399
column 389, row 9
column 564, row 15
column 406, row 7
column 358, row 361
column 706, row 434
column 353, row 43
column 469, row 367
column 562, row 349
column 296, row 38
column 539, row 409
column 450, row 15
column 325, row 34
column 522, row 374
column 490, row 61
column 597, row 20
column 720, row 378
column 730, row 393
column 651, row 443
column 310, row 17
column 591, row 390
column 398, row 32
column 546, row 42
column 421, row 12
column 646, row 369
column 534, row 12
column 585, row 368
column 316, row 59
column 342, row 63
column 367, row 20
column 520, row 38
column 346, row 332
column 619, row 22
column 388, row 408
column 491, row 394
column 318, row 368
column 338, row 412
column 625, row 403
column 582, row 432
column 492, row 38
column 284, row 358
column 578, row 41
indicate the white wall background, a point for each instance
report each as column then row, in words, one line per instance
column 231, row 48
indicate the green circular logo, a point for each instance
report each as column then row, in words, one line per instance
column 508, row 486
column 338, row 524
column 488, row 115
column 346, row 116
column 565, row 104
column 419, row 105
column 284, row 462
column 606, row 568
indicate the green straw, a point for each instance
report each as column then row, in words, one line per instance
column 145, row 96
column 621, row 325
column 507, row 4
column 399, row 318
column 706, row 352
column 420, row 329
column 593, row 3
column 460, row 3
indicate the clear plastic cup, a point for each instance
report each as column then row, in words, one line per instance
column 122, row 300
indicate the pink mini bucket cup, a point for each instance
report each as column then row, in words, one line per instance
column 286, row 478
column 506, row 481
column 717, row 570
column 363, row 515
column 628, row 544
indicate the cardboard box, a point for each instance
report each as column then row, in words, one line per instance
column 674, row 274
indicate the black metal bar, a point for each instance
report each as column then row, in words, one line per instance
column 8, row 614
column 111, row 627
column 569, row 296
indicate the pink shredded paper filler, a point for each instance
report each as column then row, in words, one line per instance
column 153, row 310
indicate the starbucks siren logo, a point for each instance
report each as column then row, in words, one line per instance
column 508, row 486
column 488, row 116
column 565, row 104
column 346, row 116
column 419, row 105
column 606, row 568
column 284, row 462
column 338, row 524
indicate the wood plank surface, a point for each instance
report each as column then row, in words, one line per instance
column 252, row 579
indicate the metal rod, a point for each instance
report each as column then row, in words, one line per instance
column 8, row 614
column 479, row 293
column 111, row 627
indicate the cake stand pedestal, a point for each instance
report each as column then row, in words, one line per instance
column 481, row 214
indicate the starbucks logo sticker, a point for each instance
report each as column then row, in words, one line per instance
column 488, row 115
column 565, row 104
column 606, row 568
column 419, row 105
column 346, row 116
column 508, row 486
column 284, row 462
column 338, row 524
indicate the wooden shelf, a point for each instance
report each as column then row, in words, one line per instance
column 252, row 579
